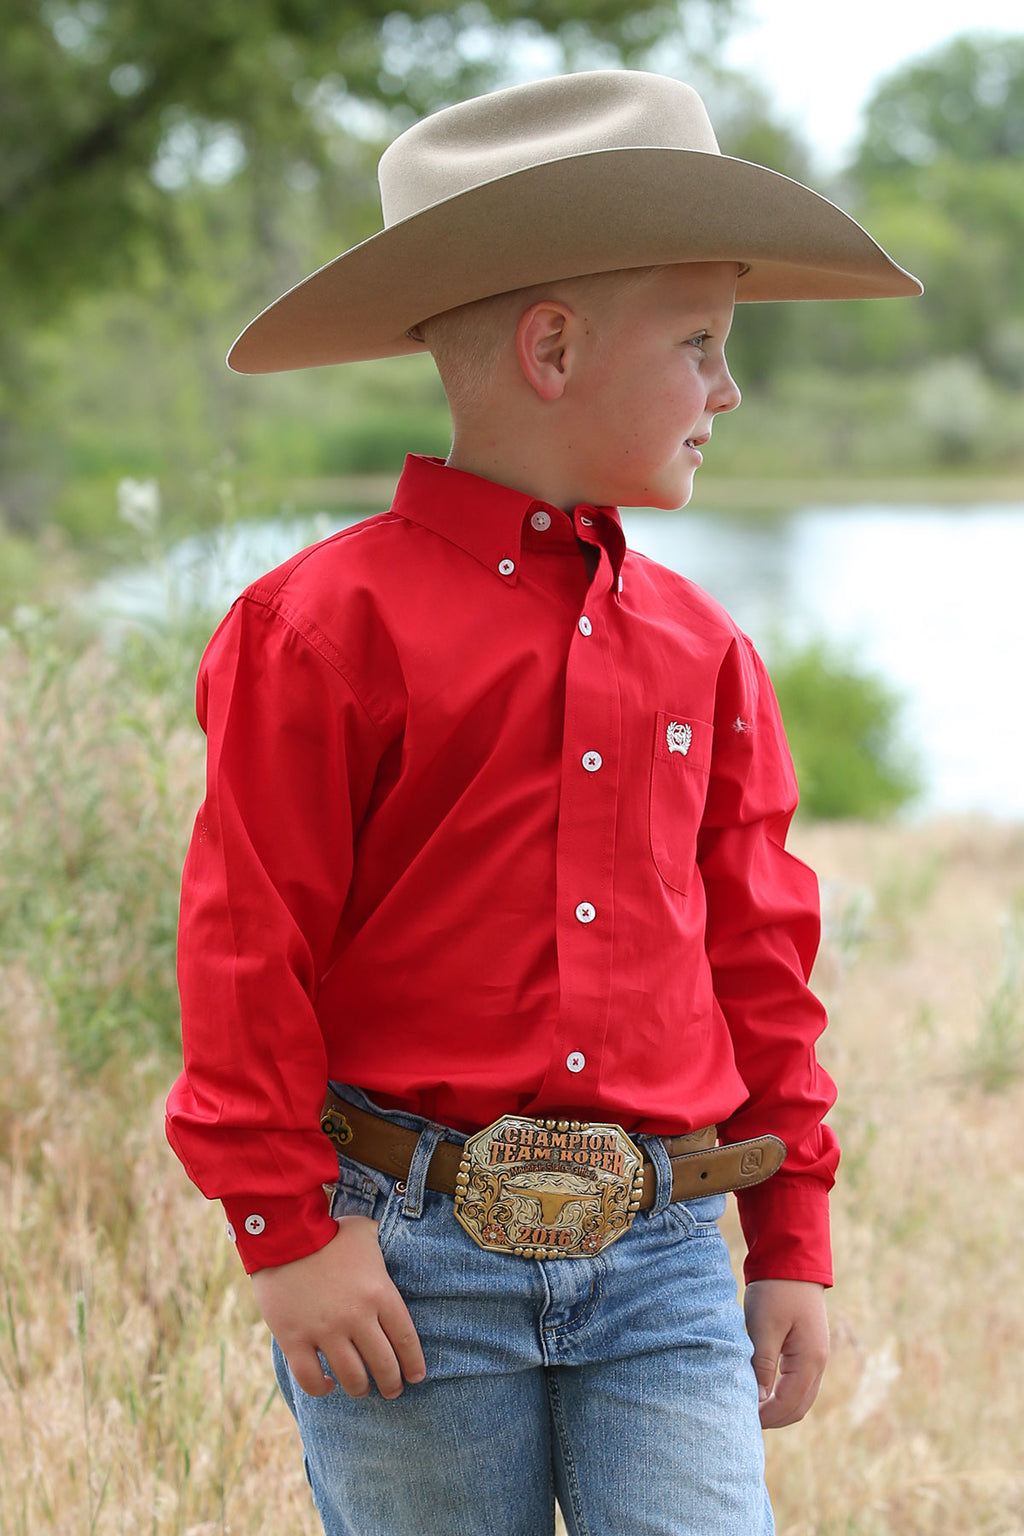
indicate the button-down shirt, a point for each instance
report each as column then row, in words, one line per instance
column 494, row 823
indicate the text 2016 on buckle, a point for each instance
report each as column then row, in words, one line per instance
column 548, row 1189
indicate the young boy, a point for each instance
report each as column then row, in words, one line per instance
column 493, row 845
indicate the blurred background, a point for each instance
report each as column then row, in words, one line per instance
column 167, row 167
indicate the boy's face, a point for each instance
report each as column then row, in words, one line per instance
column 651, row 375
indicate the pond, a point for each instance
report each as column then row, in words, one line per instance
column 929, row 598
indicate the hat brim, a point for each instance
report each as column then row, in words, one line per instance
column 586, row 213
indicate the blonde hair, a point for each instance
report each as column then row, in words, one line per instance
column 467, row 342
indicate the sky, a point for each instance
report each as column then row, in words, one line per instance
column 821, row 61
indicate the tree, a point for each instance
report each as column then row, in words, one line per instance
column 119, row 118
column 965, row 100
column 109, row 107
column 938, row 174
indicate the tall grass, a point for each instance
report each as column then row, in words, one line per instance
column 918, row 1426
column 135, row 1392
column 91, row 803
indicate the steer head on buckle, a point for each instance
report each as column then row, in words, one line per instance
column 548, row 1189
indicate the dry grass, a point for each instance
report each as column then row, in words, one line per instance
column 918, row 1428
column 134, row 1378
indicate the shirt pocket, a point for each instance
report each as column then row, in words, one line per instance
column 679, row 783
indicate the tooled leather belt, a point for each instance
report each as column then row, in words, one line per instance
column 549, row 1188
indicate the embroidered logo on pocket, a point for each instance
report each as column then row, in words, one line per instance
column 679, row 735
column 680, row 771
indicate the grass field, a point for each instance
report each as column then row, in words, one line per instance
column 135, row 1389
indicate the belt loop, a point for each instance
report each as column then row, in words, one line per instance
column 415, row 1179
column 655, row 1149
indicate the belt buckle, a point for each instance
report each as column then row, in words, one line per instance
column 548, row 1189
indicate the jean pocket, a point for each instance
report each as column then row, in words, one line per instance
column 360, row 1191
column 697, row 1218
column 679, row 785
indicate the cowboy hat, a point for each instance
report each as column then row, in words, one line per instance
column 582, row 173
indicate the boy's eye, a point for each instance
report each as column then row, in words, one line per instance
column 698, row 341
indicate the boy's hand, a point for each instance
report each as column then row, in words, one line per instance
column 342, row 1302
column 788, row 1328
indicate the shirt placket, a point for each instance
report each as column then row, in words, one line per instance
column 585, row 848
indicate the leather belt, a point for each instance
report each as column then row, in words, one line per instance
column 699, row 1167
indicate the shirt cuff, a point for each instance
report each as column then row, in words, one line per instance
column 277, row 1230
column 786, row 1224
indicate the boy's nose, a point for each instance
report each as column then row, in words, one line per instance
column 726, row 394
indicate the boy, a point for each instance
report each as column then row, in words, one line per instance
column 493, row 846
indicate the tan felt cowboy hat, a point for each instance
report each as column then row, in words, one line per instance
column 582, row 173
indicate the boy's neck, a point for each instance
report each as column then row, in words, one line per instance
column 492, row 457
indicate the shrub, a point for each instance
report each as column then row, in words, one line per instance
column 843, row 728
column 101, row 773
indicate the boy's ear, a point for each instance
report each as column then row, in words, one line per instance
column 542, row 347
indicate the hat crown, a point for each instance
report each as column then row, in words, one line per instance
column 582, row 173
column 474, row 142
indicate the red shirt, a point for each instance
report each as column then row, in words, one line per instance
column 484, row 834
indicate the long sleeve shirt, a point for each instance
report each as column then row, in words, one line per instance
column 494, row 823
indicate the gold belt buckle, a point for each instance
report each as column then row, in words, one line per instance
column 548, row 1189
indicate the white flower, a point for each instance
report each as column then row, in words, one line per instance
column 138, row 503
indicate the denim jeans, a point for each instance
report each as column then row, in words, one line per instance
column 620, row 1384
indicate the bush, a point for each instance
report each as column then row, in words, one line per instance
column 843, row 728
column 102, row 773
column 372, row 442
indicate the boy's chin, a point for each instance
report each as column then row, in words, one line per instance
column 665, row 494
column 668, row 498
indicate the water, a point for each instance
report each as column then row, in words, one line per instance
column 928, row 598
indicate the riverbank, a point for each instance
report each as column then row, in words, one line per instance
column 85, row 538
column 739, row 494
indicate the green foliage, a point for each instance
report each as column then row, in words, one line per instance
column 938, row 181
column 168, row 169
column 22, row 565
column 822, row 422
column 842, row 724
column 961, row 225
column 995, row 1059
column 355, row 421
column 92, row 829
column 377, row 441
column 110, row 108
column 965, row 100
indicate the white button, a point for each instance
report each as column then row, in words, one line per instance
column 506, row 567
column 585, row 913
column 254, row 1225
column 592, row 761
column 584, row 626
column 588, row 522
column 620, row 583
column 541, row 521
column 229, row 1229
column 575, row 1061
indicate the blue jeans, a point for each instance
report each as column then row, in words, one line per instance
column 620, row 1384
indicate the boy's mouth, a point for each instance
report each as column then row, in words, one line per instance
column 698, row 442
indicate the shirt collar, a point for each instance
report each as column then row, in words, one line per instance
column 486, row 519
